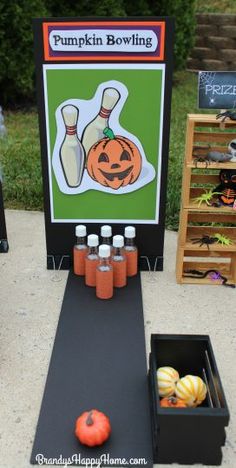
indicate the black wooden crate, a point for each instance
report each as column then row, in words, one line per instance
column 187, row 435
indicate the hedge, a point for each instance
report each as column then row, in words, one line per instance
column 16, row 38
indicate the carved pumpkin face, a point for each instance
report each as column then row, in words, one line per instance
column 114, row 161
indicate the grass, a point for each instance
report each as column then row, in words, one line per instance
column 184, row 101
column 20, row 152
column 20, row 160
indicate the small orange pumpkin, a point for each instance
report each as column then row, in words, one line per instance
column 114, row 161
column 172, row 402
column 92, row 428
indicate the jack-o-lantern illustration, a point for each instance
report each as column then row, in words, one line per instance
column 114, row 161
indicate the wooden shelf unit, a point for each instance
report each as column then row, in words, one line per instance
column 200, row 219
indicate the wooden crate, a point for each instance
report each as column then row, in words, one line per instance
column 200, row 219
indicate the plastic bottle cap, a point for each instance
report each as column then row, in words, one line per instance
column 93, row 240
column 130, row 232
column 80, row 230
column 118, row 241
column 106, row 231
column 104, row 251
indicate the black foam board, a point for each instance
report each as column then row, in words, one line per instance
column 98, row 361
column 3, row 230
column 60, row 235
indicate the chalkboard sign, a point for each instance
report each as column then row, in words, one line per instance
column 217, row 90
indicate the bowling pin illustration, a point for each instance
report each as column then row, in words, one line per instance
column 72, row 153
column 94, row 130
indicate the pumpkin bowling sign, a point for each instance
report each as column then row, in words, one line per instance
column 104, row 89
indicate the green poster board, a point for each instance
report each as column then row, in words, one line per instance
column 141, row 88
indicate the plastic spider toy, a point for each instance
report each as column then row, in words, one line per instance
column 230, row 114
column 207, row 240
column 206, row 197
column 201, row 158
column 204, row 240
column 222, row 239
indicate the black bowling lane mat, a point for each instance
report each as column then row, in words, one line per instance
column 98, row 361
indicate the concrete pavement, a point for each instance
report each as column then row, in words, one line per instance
column 30, row 301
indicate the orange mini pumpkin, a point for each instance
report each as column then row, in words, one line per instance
column 172, row 402
column 92, row 428
column 114, row 161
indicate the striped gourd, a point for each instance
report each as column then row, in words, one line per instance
column 166, row 380
column 191, row 389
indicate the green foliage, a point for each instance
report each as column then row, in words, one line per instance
column 184, row 100
column 16, row 37
column 16, row 48
column 86, row 8
column 183, row 11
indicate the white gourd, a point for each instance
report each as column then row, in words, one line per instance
column 192, row 390
column 166, row 380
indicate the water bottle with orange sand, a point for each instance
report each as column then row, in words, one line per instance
column 131, row 251
column 104, row 273
column 119, row 262
column 91, row 260
column 80, row 250
column 106, row 234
